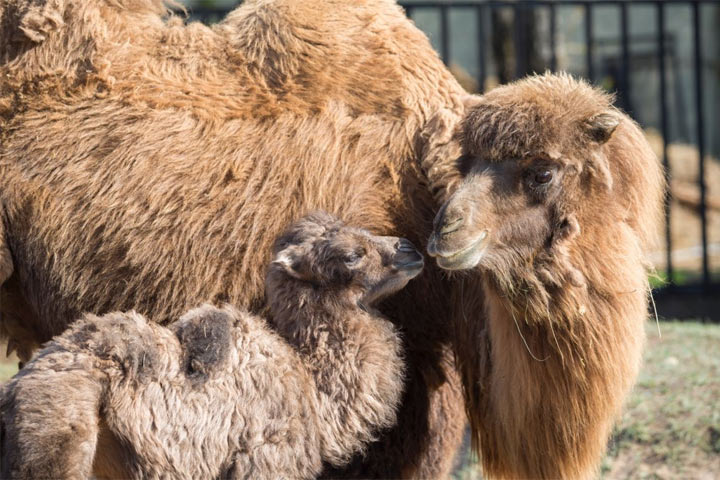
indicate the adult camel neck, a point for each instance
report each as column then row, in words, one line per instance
column 545, row 364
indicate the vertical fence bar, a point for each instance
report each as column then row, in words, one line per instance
column 480, row 14
column 625, row 63
column 445, row 34
column 701, row 140
column 660, row 10
column 589, row 41
column 520, row 39
column 553, row 33
column 409, row 12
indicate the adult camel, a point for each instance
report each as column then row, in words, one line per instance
column 146, row 164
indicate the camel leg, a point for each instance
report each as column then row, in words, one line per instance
column 50, row 421
column 6, row 264
column 425, row 441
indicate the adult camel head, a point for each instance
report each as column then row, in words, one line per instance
column 559, row 200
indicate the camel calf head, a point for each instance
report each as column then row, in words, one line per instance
column 358, row 266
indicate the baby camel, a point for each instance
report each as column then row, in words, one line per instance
column 218, row 393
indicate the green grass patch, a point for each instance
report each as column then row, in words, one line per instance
column 7, row 370
column 671, row 424
column 660, row 279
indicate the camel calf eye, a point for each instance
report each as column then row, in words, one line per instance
column 354, row 257
column 543, row 176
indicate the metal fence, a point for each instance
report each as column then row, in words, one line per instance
column 657, row 50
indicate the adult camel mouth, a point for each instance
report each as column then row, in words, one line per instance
column 465, row 258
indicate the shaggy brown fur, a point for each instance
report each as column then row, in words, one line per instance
column 218, row 394
column 147, row 165
column 560, row 198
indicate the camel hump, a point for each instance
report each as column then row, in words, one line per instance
column 124, row 339
column 35, row 20
column 205, row 338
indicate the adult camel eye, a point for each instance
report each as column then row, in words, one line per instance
column 543, row 176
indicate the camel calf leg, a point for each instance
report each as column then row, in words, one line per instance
column 50, row 420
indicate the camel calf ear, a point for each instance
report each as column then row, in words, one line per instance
column 41, row 18
column 290, row 260
column 601, row 126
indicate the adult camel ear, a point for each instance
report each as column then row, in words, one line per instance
column 6, row 264
column 600, row 129
column 601, row 126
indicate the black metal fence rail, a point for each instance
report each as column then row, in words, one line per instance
column 663, row 44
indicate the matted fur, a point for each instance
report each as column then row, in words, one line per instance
column 563, row 278
column 218, row 394
column 147, row 165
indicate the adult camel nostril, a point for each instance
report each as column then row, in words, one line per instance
column 450, row 225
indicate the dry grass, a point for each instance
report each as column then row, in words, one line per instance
column 8, row 365
column 685, row 216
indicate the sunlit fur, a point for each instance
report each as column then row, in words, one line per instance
column 218, row 394
column 563, row 278
column 147, row 165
